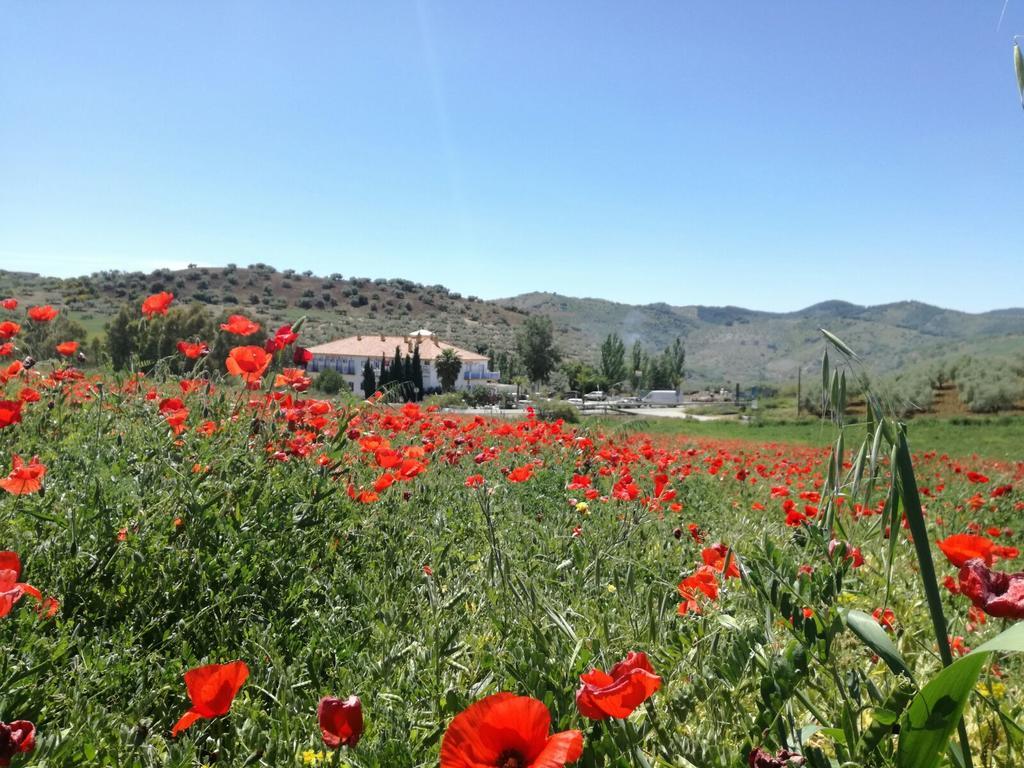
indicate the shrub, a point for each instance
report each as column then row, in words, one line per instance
column 558, row 409
column 330, row 382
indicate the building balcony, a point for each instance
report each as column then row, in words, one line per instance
column 481, row 375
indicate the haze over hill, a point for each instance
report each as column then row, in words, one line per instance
column 723, row 344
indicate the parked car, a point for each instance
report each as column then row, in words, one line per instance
column 597, row 394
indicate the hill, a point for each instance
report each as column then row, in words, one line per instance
column 336, row 305
column 723, row 344
column 735, row 344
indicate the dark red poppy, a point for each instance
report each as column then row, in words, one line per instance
column 617, row 693
column 507, row 731
column 16, row 738
column 240, row 325
column 998, row 594
column 10, row 412
column 281, row 339
column 157, row 304
column 302, row 356
column 977, row 477
column 211, row 689
column 341, row 721
column 43, row 314
column 781, row 759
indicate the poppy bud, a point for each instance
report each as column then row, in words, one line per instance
column 678, row 533
column 28, row 362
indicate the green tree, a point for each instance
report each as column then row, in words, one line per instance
column 535, row 345
column 369, row 380
column 638, row 358
column 385, row 374
column 582, row 377
column 448, row 366
column 613, row 360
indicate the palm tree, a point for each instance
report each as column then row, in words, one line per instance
column 448, row 366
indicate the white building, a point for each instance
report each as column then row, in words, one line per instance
column 348, row 356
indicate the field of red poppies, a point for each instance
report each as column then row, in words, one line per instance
column 221, row 569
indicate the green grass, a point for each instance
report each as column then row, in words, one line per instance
column 167, row 552
column 992, row 437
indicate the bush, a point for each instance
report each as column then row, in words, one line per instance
column 558, row 409
column 330, row 382
column 446, row 400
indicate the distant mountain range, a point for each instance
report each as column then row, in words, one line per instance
column 723, row 344
column 729, row 344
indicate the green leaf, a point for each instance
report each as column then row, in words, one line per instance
column 1010, row 640
column 873, row 636
column 838, row 343
column 935, row 712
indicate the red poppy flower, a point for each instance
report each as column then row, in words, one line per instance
column 9, row 329
column 341, row 721
column 616, row 694
column 702, row 581
column 977, row 477
column 961, row 547
column 240, row 325
column 998, row 594
column 12, row 590
column 212, row 689
column 157, row 304
column 520, row 474
column 24, row 478
column 9, row 303
column 302, row 356
column 6, row 349
column 16, row 738
column 193, row 350
column 715, row 557
column 10, row 412
column 474, row 481
column 294, row 379
column 248, row 362
column 67, row 348
column 507, row 731
column 43, row 314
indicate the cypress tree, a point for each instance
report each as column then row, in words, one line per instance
column 369, row 380
column 417, row 372
column 385, row 377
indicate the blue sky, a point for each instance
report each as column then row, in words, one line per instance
column 768, row 155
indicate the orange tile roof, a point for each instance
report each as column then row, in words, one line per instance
column 375, row 346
